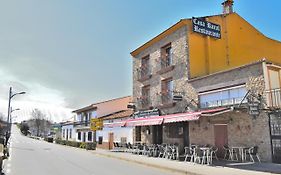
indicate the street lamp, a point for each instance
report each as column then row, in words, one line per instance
column 12, row 110
column 11, row 95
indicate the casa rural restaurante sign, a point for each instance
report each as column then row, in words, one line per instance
column 206, row 28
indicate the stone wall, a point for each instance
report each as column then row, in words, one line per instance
column 243, row 130
column 233, row 77
column 179, row 74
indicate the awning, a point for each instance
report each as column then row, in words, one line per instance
column 191, row 116
column 217, row 111
column 153, row 120
column 158, row 120
column 114, row 124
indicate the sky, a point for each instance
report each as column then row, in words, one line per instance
column 68, row 54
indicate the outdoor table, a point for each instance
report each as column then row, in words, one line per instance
column 240, row 151
column 206, row 153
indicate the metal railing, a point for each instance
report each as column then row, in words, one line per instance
column 273, row 98
column 223, row 102
column 166, row 97
column 143, row 72
column 165, row 62
column 144, row 101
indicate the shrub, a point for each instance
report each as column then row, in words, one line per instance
column 91, row 146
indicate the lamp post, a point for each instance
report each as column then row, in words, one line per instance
column 12, row 110
column 11, row 95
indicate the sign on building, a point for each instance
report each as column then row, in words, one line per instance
column 254, row 108
column 96, row 124
column 204, row 27
column 147, row 113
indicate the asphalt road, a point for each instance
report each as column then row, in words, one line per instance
column 35, row 157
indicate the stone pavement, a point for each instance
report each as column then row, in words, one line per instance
column 219, row 167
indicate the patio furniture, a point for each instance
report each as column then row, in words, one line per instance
column 116, row 147
column 253, row 151
column 161, row 151
column 213, row 153
column 129, row 147
column 155, row 151
column 174, row 152
column 188, row 153
column 206, row 155
column 198, row 155
column 238, row 151
column 227, row 152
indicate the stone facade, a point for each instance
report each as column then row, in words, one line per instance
column 242, row 129
column 178, row 41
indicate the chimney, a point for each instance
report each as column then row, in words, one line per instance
column 227, row 6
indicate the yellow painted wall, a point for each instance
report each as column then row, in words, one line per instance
column 240, row 44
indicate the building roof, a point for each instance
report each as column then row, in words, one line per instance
column 87, row 108
column 95, row 105
column 118, row 115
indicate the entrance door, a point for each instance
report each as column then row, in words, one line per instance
column 157, row 135
column 110, row 140
column 220, row 132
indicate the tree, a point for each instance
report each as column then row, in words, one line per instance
column 38, row 118
column 24, row 128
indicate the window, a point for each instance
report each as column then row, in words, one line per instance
column 167, row 90
column 90, row 136
column 144, row 69
column 166, row 56
column 225, row 97
column 79, row 135
column 145, row 99
column 100, row 140
column 145, row 61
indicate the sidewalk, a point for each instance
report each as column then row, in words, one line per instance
column 220, row 168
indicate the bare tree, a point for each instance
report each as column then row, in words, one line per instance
column 38, row 118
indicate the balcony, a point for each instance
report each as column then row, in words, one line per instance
column 82, row 124
column 273, row 98
column 223, row 102
column 144, row 102
column 166, row 99
column 143, row 73
column 165, row 66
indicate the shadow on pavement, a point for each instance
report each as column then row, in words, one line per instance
column 260, row 167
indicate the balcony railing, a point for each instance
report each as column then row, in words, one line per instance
column 165, row 65
column 143, row 73
column 82, row 123
column 144, row 102
column 273, row 98
column 166, row 97
column 223, row 102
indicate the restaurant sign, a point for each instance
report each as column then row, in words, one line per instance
column 254, row 108
column 147, row 113
column 96, row 124
column 204, row 27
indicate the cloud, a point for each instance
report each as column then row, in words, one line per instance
column 50, row 101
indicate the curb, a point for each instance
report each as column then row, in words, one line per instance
column 147, row 164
